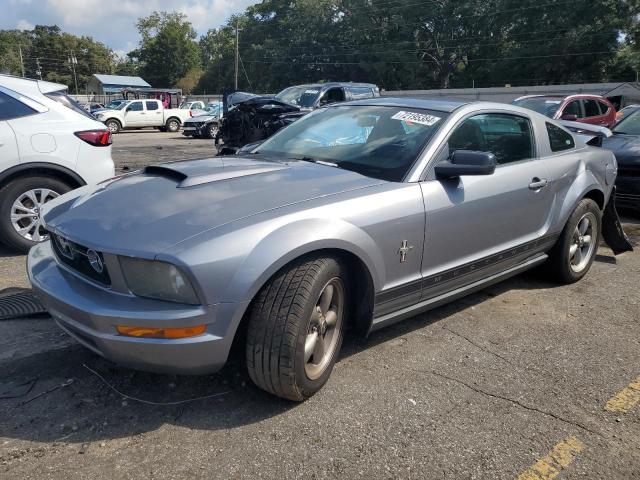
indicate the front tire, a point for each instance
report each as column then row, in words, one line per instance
column 21, row 201
column 573, row 254
column 296, row 326
column 113, row 125
column 212, row 130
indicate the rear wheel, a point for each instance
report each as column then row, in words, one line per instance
column 296, row 328
column 21, row 226
column 572, row 256
column 172, row 125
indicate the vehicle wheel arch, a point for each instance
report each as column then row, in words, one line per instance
column 59, row 172
column 597, row 196
column 361, row 287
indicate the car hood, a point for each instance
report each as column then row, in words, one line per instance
column 201, row 118
column 626, row 148
column 147, row 212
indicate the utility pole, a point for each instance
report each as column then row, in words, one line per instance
column 39, row 70
column 21, row 61
column 237, row 53
column 73, row 62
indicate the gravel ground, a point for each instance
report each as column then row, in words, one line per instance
column 480, row 389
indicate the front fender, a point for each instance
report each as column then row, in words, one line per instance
column 296, row 239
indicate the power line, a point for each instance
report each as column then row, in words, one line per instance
column 432, row 61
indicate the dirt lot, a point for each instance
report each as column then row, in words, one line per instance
column 522, row 378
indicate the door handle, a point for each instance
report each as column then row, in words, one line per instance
column 537, row 183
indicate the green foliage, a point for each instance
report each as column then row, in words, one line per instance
column 168, row 48
column 49, row 53
column 397, row 44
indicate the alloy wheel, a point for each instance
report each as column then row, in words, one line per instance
column 583, row 243
column 323, row 333
column 25, row 213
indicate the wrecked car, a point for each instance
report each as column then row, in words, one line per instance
column 358, row 215
column 257, row 118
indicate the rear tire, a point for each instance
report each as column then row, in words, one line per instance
column 572, row 256
column 296, row 326
column 23, row 199
column 172, row 125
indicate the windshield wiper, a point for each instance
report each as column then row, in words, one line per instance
column 315, row 160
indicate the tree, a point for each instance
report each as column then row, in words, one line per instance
column 168, row 49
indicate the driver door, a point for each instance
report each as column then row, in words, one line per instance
column 135, row 114
column 480, row 225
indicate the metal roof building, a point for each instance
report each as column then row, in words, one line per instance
column 103, row 84
column 620, row 94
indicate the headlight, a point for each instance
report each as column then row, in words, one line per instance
column 159, row 280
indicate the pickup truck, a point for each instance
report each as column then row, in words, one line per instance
column 143, row 113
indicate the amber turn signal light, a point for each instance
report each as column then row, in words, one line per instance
column 148, row 332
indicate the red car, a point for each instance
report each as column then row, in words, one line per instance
column 591, row 109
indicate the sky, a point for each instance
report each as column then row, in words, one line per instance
column 112, row 22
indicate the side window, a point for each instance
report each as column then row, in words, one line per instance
column 11, row 108
column 332, row 95
column 151, row 105
column 360, row 92
column 573, row 108
column 604, row 108
column 591, row 108
column 559, row 139
column 508, row 137
column 135, row 107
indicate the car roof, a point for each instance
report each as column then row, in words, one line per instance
column 334, row 84
column 564, row 97
column 442, row 105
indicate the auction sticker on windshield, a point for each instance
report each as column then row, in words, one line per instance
column 421, row 118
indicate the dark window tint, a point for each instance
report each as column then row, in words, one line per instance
column 559, row 139
column 11, row 108
column 135, row 107
column 361, row 92
column 508, row 137
column 591, row 108
column 573, row 108
column 61, row 97
column 604, row 108
column 332, row 95
column 152, row 105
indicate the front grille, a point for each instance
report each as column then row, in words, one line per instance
column 83, row 260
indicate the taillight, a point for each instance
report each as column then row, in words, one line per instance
column 190, row 113
column 97, row 138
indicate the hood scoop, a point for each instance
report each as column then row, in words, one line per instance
column 215, row 175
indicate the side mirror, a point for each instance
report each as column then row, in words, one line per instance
column 466, row 162
column 569, row 117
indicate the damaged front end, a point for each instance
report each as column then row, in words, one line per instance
column 253, row 120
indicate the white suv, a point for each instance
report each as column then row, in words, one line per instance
column 48, row 145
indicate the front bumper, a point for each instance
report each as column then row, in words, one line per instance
column 90, row 313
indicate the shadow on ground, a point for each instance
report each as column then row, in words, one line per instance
column 58, row 399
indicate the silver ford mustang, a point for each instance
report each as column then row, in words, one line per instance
column 359, row 214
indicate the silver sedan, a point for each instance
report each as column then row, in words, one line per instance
column 359, row 214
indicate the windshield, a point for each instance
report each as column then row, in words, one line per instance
column 114, row 104
column 629, row 124
column 302, row 96
column 545, row 105
column 376, row 141
column 61, row 97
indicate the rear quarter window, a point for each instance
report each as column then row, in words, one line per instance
column 11, row 108
column 67, row 101
column 559, row 139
